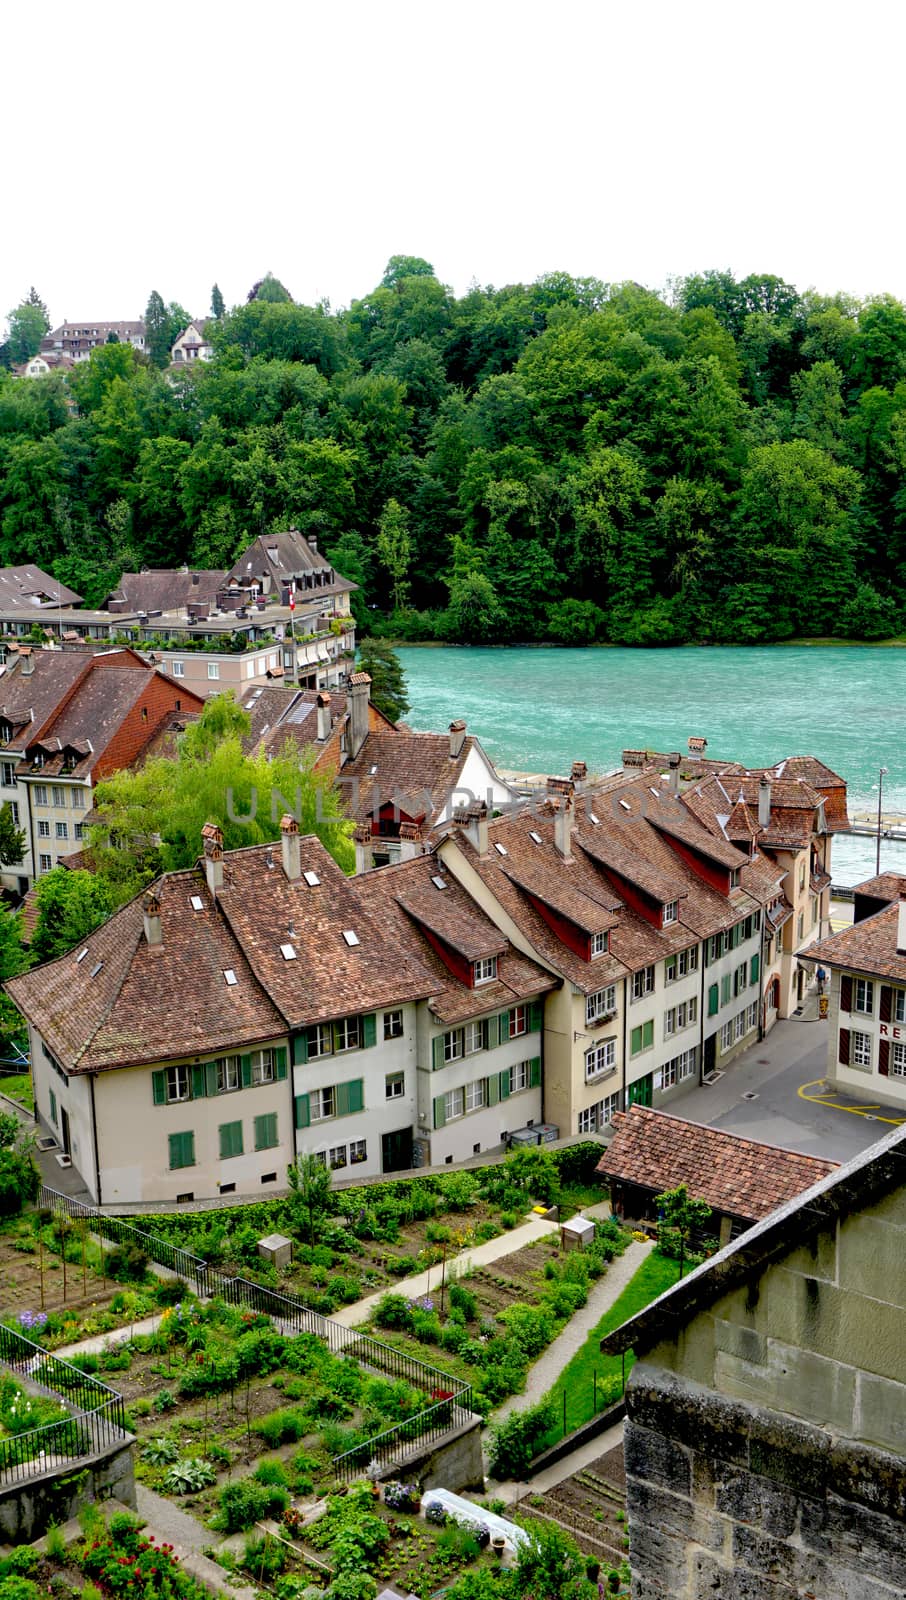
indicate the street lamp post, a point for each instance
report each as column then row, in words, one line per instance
column 882, row 774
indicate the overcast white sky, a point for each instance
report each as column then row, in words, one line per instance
column 170, row 145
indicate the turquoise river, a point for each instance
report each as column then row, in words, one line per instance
column 538, row 710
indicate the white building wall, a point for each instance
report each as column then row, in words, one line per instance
column 485, row 1127
column 477, row 781
column 380, row 1114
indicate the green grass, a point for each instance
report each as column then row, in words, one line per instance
column 18, row 1087
column 577, row 1380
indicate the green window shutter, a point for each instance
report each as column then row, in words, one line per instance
column 713, row 1000
column 647, row 1035
column 437, row 1050
column 503, row 1024
column 535, row 1072
column 440, row 1115
column 159, row 1088
column 493, row 1026
column 246, row 1072
column 492, row 1093
column 300, row 1049
column 341, row 1100
column 356, row 1089
column 725, row 983
column 303, row 1117
column 230, row 1140
column 210, row 1077
column 198, row 1084
column 182, row 1150
column 280, row 1063
column 505, row 1084
column 754, row 968
column 635, row 1041
column 369, row 1030
column 536, row 1016
column 266, row 1131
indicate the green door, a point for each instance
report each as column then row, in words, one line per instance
column 639, row 1093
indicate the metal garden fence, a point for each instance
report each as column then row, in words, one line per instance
column 93, row 1415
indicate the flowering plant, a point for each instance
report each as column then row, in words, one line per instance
column 32, row 1321
column 401, row 1496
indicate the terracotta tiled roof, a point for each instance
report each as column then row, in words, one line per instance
column 888, row 886
column 736, row 1177
column 588, row 906
column 388, row 895
column 415, row 769
column 869, row 946
column 451, row 918
column 127, row 1002
column 167, row 590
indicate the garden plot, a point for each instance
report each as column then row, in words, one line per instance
column 31, row 1260
column 590, row 1506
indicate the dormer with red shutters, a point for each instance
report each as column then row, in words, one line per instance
column 467, row 943
column 715, row 861
column 581, row 921
column 654, row 895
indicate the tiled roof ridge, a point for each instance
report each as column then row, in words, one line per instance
column 643, row 1113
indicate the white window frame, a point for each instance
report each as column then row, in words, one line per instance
column 229, row 1074
column 393, row 1024
column 600, row 1060
column 474, row 1038
column 45, row 863
column 517, row 1022
column 394, row 1085
column 358, row 1151
column 348, row 1034
column 484, row 971
column 477, row 1094
column 898, row 1061
column 603, row 1003
column 263, row 1066
column 598, row 944
column 864, row 997
column 179, row 669
column 726, row 1035
column 899, row 1005
column 40, row 794
column 58, row 794
column 454, row 1104
column 453, row 1045
column 179, row 1085
column 520, row 1077
column 213, row 669
column 643, row 983
column 337, row 1157
column 860, row 1048
column 43, row 828
column 322, row 1104
column 62, row 830
column 671, row 912
column 323, row 1043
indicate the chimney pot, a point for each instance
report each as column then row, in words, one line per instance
column 457, row 738
column 151, row 918
column 290, row 848
column 578, row 775
column 212, row 837
column 359, row 698
column 673, row 762
column 563, row 828
column 323, row 716
column 473, row 820
column 362, row 837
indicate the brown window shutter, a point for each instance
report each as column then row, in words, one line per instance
column 884, row 1056
column 846, row 993
column 886, row 1001
column 843, row 1052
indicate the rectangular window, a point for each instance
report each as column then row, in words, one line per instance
column 599, row 944
column 726, row 1036
column 78, row 830
column 322, row 1104
column 475, row 1037
column 453, row 1044
column 62, row 830
column 864, row 996
column 179, row 670
column 44, row 863
column 43, row 829
column 740, row 977
column 800, row 927
column 266, row 1131
column 519, row 1077
column 348, row 1033
column 752, row 1016
column 393, row 1024
column 59, row 794
column 230, row 1140
column 484, row 971
column 336, row 1157
column 642, row 983
column 642, row 1038
column 358, row 1151
column 213, row 669
column 229, row 1074
column 860, row 1049
column 395, row 1085
column 897, row 1062
column 262, row 1066
column 476, row 1094
column 668, row 1075
column 518, row 1022
column 79, row 799
column 601, row 1059
column 740, row 1024
column 670, row 1022
column 814, row 911
column 596, row 1117
column 319, row 1040
column 670, row 912
column 182, row 1150
column 680, row 965
column 899, row 1005
column 177, row 1084
column 454, row 1104
column 53, row 1107
column 603, row 1003
column 9, row 774
column 715, row 948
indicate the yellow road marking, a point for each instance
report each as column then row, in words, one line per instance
column 856, row 1111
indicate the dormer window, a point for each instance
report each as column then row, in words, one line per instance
column 484, row 971
column 734, row 878
column 6, row 732
column 38, row 760
column 598, row 944
column 670, row 912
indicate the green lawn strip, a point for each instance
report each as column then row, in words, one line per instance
column 577, row 1380
column 18, row 1087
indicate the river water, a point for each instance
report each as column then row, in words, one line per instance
column 538, row 710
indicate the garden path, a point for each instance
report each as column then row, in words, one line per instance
column 189, row 1538
column 601, row 1296
column 105, row 1341
column 422, row 1283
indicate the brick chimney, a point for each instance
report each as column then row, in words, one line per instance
column 674, row 761
column 26, row 656
column 764, row 803
column 578, row 776
column 289, row 848
column 362, row 838
column 151, row 918
column 563, row 827
column 359, row 697
column 410, row 841
column 212, row 840
column 473, row 820
column 323, row 716
column 457, row 739
column 901, row 927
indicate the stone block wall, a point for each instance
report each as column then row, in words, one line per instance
column 728, row 1498
column 29, row 1508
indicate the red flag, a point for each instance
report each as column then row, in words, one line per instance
column 292, row 597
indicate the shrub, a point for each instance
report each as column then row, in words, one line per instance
column 170, row 1291
column 247, row 1501
column 487, row 1230
column 462, row 1299
column 426, row 1327
column 87, row 1363
column 508, row 1219
column 264, row 1558
column 271, row 1472
column 127, row 1263
column 531, row 1328
column 160, row 1452
column 514, row 1442
column 534, row 1170
column 281, row 1427
column 402, row 1266
column 460, row 1190
column 164, row 1401
column 394, row 1311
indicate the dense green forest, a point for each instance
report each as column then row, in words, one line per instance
column 570, row 461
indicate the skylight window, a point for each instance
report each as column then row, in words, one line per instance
column 312, row 879
column 287, row 952
column 625, row 804
column 96, row 969
column 372, row 771
column 656, row 793
column 81, row 955
column 439, row 882
column 196, row 902
column 230, row 977
column 501, row 849
column 535, row 836
column 350, row 937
